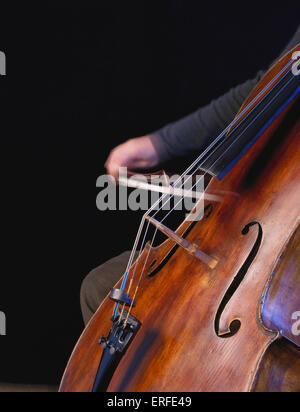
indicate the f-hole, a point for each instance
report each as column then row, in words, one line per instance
column 236, row 324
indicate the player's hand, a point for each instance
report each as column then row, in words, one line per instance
column 135, row 154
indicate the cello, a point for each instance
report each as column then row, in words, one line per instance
column 216, row 306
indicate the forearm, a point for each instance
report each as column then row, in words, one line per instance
column 196, row 131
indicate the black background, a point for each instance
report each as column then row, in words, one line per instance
column 81, row 79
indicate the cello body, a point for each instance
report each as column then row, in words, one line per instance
column 230, row 328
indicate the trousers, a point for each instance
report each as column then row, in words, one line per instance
column 99, row 282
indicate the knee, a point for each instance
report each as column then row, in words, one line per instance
column 89, row 301
column 87, row 289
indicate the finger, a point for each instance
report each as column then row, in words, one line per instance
column 113, row 169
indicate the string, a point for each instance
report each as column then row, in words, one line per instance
column 188, row 170
column 196, row 164
column 289, row 100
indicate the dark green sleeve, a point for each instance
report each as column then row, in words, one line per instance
column 196, row 131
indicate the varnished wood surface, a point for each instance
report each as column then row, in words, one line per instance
column 282, row 297
column 177, row 347
column 280, row 369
